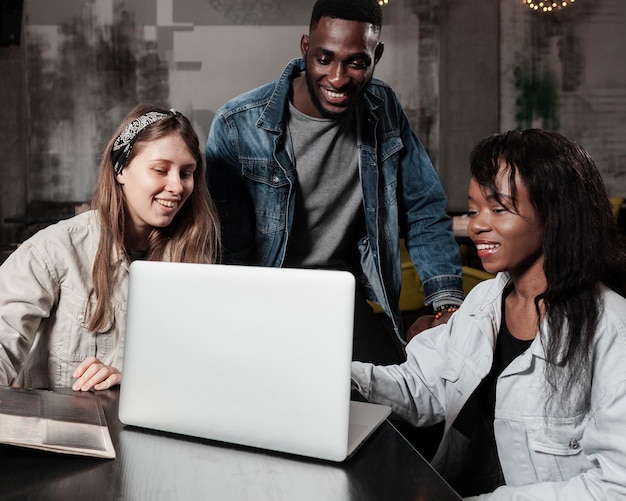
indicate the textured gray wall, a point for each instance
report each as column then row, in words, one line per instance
column 12, row 138
column 469, row 89
column 83, row 64
column 462, row 68
column 568, row 72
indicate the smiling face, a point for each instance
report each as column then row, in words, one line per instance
column 156, row 184
column 508, row 237
column 340, row 56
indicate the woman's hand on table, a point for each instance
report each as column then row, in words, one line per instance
column 92, row 374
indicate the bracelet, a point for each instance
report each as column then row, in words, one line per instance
column 445, row 308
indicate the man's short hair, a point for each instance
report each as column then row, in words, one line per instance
column 365, row 11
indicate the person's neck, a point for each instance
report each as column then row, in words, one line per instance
column 135, row 241
column 523, row 320
column 300, row 98
column 529, row 283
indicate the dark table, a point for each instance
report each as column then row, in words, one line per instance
column 153, row 466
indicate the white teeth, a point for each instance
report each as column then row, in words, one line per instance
column 167, row 203
column 486, row 246
column 335, row 94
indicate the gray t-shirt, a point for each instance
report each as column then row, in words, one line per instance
column 329, row 199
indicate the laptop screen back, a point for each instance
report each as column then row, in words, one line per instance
column 248, row 355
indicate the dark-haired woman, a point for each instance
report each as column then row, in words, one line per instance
column 529, row 374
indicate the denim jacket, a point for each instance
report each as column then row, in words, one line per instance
column 45, row 306
column 569, row 452
column 251, row 177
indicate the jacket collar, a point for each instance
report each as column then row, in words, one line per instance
column 273, row 116
column 492, row 307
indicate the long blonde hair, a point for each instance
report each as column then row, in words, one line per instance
column 193, row 236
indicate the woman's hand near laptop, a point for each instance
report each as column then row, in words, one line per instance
column 93, row 374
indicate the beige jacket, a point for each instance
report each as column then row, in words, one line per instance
column 44, row 286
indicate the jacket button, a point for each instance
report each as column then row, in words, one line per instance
column 275, row 179
column 574, row 444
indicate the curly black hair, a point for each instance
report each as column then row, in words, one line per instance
column 365, row 11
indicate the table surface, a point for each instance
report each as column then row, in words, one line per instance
column 154, row 466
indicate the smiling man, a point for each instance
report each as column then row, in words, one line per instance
column 321, row 169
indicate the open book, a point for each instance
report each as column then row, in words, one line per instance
column 69, row 424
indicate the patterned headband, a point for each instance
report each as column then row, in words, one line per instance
column 124, row 143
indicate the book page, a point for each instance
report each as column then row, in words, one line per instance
column 70, row 424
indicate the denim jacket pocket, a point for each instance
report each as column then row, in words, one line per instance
column 452, row 371
column 392, row 145
column 460, row 379
column 460, row 370
column 70, row 342
column 555, row 449
column 269, row 187
column 262, row 172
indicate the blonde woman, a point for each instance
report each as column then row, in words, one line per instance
column 63, row 291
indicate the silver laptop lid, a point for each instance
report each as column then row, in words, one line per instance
column 248, row 355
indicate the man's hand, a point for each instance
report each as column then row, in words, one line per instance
column 93, row 374
column 426, row 322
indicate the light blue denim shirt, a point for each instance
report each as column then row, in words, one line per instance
column 569, row 452
column 251, row 177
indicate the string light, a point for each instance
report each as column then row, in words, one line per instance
column 383, row 2
column 546, row 5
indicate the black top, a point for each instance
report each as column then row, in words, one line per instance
column 136, row 255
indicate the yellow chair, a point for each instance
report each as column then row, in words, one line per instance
column 473, row 276
column 616, row 202
column 412, row 292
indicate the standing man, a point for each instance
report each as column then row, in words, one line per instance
column 321, row 169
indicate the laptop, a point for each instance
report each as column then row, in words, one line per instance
column 247, row 355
